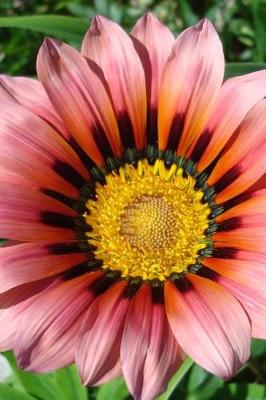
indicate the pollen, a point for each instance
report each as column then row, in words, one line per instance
column 147, row 221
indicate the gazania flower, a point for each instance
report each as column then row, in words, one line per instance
column 132, row 182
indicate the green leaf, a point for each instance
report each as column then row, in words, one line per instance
column 233, row 69
column 8, row 393
column 251, row 391
column 115, row 389
column 42, row 386
column 177, row 378
column 67, row 28
column 69, row 382
column 258, row 347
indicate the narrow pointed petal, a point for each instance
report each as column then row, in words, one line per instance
column 149, row 352
column 41, row 155
column 207, row 315
column 30, row 94
column 80, row 99
column 48, row 340
column 100, row 335
column 112, row 50
column 28, row 215
column 237, row 96
column 190, row 85
column 29, row 262
column 158, row 41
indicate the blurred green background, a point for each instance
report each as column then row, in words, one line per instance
column 241, row 24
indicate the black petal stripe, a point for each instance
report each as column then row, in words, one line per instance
column 175, row 132
column 201, row 145
column 104, row 282
column 228, row 178
column 57, row 220
column 157, row 292
column 58, row 196
column 126, row 130
column 76, row 271
column 224, row 252
column 63, row 248
column 87, row 161
column 152, row 126
column 67, row 172
column 132, row 288
column 206, row 272
column 229, row 224
column 237, row 200
column 101, row 140
column 182, row 284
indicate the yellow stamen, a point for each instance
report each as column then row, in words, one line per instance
column 147, row 221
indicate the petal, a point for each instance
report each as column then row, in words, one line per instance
column 41, row 155
column 80, row 99
column 34, row 261
column 112, row 50
column 28, row 215
column 209, row 324
column 237, row 96
column 242, row 176
column 190, row 85
column 251, row 273
column 158, row 41
column 250, row 238
column 101, row 334
column 30, row 94
column 12, row 304
column 253, row 301
column 48, row 328
column 149, row 352
column 250, row 135
column 246, row 204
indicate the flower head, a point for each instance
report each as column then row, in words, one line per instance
column 133, row 185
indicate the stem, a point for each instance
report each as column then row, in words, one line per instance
column 177, row 378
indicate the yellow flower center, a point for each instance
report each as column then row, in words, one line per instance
column 148, row 221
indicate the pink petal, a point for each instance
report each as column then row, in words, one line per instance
column 190, row 85
column 12, row 305
column 48, row 328
column 251, row 273
column 253, row 301
column 30, row 94
column 100, row 335
column 158, row 41
column 112, row 50
column 33, row 261
column 238, row 95
column 28, row 215
column 42, row 156
column 250, row 136
column 248, row 171
column 149, row 352
column 209, row 324
column 80, row 99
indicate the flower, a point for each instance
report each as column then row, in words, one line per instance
column 133, row 190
